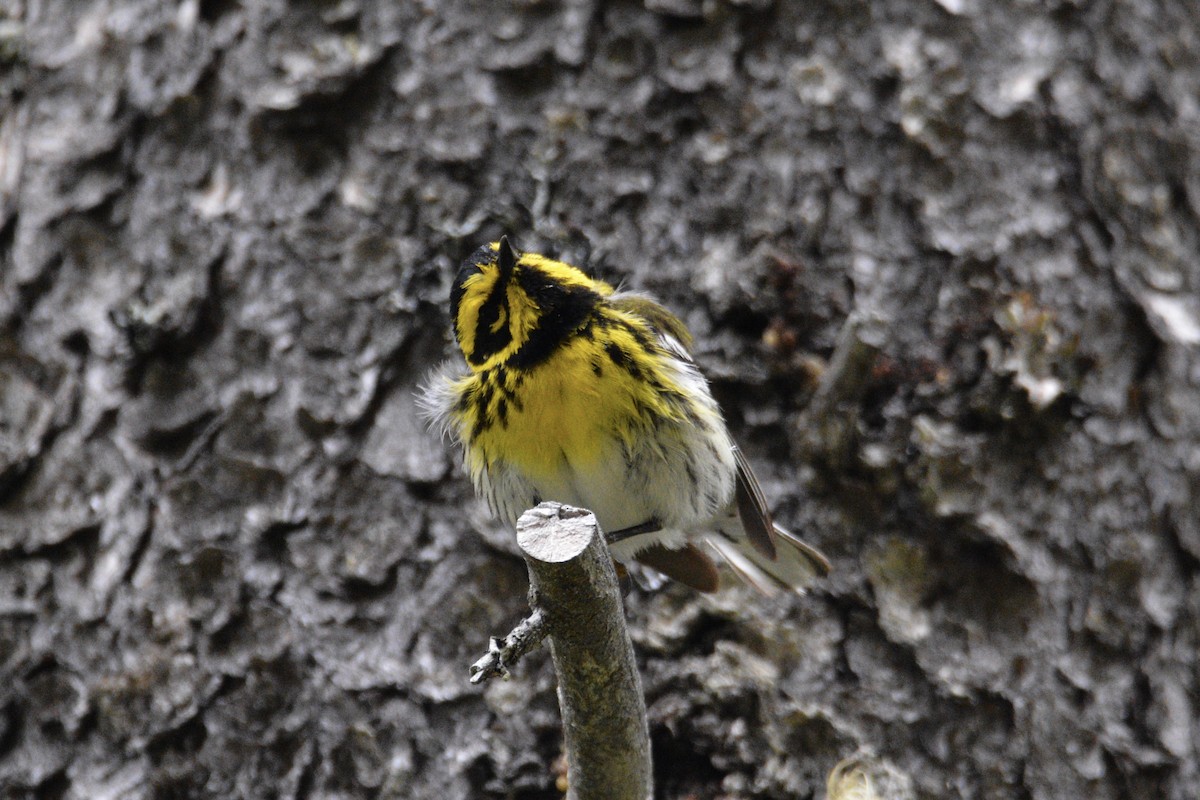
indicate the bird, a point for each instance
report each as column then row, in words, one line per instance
column 573, row 391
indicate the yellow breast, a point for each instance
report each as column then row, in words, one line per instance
column 603, row 393
column 559, row 411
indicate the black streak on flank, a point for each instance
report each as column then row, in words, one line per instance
column 622, row 359
column 502, row 378
column 639, row 337
column 485, row 399
column 510, row 384
column 515, row 401
column 480, row 423
column 691, row 473
column 644, row 413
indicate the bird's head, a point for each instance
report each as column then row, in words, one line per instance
column 517, row 308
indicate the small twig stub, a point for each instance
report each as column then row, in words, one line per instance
column 504, row 653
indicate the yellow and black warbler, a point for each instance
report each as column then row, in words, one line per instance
column 589, row 396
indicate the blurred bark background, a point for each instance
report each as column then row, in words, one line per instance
column 233, row 565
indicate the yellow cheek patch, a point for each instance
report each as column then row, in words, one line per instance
column 501, row 320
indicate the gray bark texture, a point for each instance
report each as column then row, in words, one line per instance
column 573, row 580
column 233, row 564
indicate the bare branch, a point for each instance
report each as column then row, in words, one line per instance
column 599, row 690
column 504, row 653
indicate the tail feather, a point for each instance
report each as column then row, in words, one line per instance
column 795, row 567
column 689, row 565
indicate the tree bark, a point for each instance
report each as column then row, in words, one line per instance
column 233, row 564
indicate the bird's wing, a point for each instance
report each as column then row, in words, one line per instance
column 751, row 504
column 752, row 507
column 666, row 324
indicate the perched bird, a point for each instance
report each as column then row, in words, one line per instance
column 585, row 395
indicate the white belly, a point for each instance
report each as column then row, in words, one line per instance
column 683, row 486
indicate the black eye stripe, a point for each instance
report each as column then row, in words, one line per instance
column 489, row 312
column 488, row 341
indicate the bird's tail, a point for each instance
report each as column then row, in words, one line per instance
column 795, row 566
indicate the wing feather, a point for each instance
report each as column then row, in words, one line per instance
column 689, row 565
column 752, row 507
column 659, row 318
column 761, row 565
column 817, row 560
